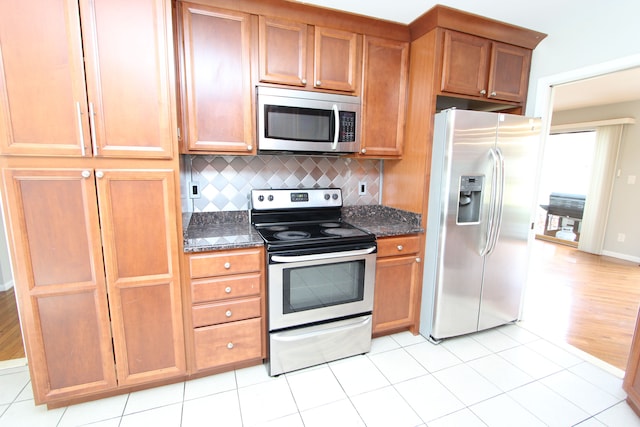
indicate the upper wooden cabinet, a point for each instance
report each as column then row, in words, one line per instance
column 67, row 227
column 483, row 68
column 216, row 80
column 336, row 59
column 87, row 78
column 384, row 91
column 284, row 58
column 283, row 51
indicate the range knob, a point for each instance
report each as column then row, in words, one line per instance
column 261, row 198
column 327, row 196
column 335, row 196
column 270, row 198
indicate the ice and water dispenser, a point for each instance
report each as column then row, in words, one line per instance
column 470, row 199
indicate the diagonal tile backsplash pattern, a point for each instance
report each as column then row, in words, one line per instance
column 226, row 181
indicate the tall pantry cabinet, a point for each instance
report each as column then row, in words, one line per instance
column 88, row 140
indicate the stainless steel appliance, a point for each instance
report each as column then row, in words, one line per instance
column 320, row 277
column 481, row 197
column 296, row 121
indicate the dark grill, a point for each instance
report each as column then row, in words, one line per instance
column 564, row 204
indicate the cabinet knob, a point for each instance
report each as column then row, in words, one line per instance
column 99, row 174
column 400, row 247
column 418, row 259
column 227, row 265
column 86, row 174
column 228, row 289
column 228, row 313
column 249, row 147
column 303, row 81
column 363, row 151
column 318, row 83
column 493, row 94
column 230, row 345
column 483, row 92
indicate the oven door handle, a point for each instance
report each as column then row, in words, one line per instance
column 314, row 257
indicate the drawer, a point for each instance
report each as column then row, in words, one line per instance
column 401, row 245
column 243, row 285
column 228, row 311
column 225, row 262
column 228, row 343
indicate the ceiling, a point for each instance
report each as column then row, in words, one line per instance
column 611, row 88
column 608, row 89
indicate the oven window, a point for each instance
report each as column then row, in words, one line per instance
column 306, row 288
column 298, row 124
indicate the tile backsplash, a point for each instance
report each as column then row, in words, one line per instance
column 225, row 181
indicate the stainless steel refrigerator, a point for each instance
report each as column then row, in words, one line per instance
column 481, row 197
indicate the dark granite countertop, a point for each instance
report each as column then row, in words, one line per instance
column 207, row 231
column 382, row 221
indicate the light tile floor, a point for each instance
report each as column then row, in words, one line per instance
column 503, row 377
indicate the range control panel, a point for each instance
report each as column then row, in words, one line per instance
column 296, row 198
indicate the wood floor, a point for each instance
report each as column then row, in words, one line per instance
column 10, row 336
column 585, row 300
column 588, row 301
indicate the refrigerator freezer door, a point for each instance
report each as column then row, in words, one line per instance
column 506, row 266
column 455, row 276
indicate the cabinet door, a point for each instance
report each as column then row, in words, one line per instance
column 336, row 60
column 43, row 101
column 217, row 88
column 283, row 51
column 509, row 72
column 128, row 53
column 465, row 64
column 631, row 384
column 52, row 220
column 384, row 92
column 395, row 293
column 137, row 217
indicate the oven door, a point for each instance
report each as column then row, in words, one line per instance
column 311, row 288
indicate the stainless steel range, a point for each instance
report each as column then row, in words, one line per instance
column 320, row 277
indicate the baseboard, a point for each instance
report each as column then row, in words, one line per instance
column 12, row 363
column 622, row 256
column 6, row 286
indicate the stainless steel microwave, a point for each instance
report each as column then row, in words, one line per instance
column 295, row 121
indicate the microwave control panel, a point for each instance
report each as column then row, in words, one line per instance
column 347, row 126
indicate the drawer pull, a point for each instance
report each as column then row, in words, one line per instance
column 227, row 265
column 400, row 247
column 228, row 289
column 230, row 345
column 228, row 313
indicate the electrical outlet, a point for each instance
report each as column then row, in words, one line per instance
column 362, row 188
column 194, row 190
column 621, row 237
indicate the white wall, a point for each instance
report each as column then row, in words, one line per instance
column 625, row 203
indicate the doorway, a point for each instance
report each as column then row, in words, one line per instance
column 587, row 301
column 564, row 183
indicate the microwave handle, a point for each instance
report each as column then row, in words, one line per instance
column 336, row 118
column 315, row 257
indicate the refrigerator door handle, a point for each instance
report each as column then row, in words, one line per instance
column 492, row 202
column 497, row 223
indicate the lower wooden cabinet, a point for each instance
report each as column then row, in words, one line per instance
column 227, row 308
column 631, row 384
column 397, row 285
column 96, row 275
